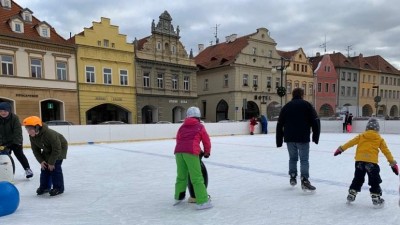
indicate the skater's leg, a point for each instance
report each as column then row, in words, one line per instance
column 374, row 179
column 181, row 178
column 304, row 150
column 18, row 152
column 196, row 176
column 293, row 157
column 44, row 179
column 359, row 176
column 57, row 176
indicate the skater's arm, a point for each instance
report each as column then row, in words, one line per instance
column 385, row 150
column 55, row 145
column 37, row 152
column 350, row 143
column 205, row 139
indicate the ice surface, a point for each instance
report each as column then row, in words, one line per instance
column 133, row 183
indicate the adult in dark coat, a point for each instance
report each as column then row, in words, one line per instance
column 264, row 125
column 293, row 127
column 11, row 135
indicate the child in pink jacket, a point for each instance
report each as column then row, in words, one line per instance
column 187, row 151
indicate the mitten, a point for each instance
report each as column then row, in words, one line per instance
column 395, row 168
column 338, row 151
column 206, row 155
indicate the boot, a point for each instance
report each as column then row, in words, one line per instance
column 352, row 195
column 28, row 173
column 306, row 185
column 293, row 180
column 206, row 205
column 41, row 191
column 377, row 200
column 55, row 191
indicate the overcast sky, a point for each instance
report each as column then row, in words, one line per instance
column 369, row 27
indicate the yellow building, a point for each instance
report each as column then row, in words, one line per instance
column 106, row 81
column 300, row 74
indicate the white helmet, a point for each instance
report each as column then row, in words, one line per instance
column 193, row 112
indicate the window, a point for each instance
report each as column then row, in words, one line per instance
column 333, row 88
column 107, row 75
column 277, row 82
column 205, row 84
column 289, row 87
column 254, row 50
column 175, row 82
column 27, row 17
column 36, row 68
column 373, row 91
column 146, row 79
column 6, row 4
column 355, row 91
column 106, row 43
column 386, row 80
column 160, row 80
column 326, row 87
column 349, row 76
column 319, row 87
column 98, row 43
column 302, row 68
column 186, row 83
column 112, row 45
column 45, row 32
column 90, row 75
column 296, row 84
column 226, row 80
column 245, row 80
column 369, row 78
column 390, row 93
column 368, row 92
column 386, row 94
column 173, row 49
column 342, row 89
column 304, row 87
column 390, row 81
column 18, row 27
column 7, row 65
column 382, row 80
column 343, row 75
column 269, row 81
column 355, row 77
column 123, row 77
column 158, row 45
column 363, row 78
column 362, row 92
column 61, row 70
column 305, row 67
column 310, row 89
column 255, row 81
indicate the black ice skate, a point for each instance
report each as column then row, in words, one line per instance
column 377, row 200
column 54, row 192
column 293, row 180
column 41, row 191
column 306, row 185
column 352, row 196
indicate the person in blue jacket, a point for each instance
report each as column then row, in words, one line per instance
column 264, row 124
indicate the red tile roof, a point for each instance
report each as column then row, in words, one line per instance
column 361, row 63
column 381, row 64
column 341, row 61
column 141, row 42
column 315, row 61
column 222, row 54
column 287, row 54
column 30, row 32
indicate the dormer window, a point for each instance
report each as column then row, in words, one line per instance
column 26, row 14
column 6, row 3
column 16, row 24
column 43, row 29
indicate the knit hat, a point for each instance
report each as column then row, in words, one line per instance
column 372, row 124
column 5, row 106
column 193, row 112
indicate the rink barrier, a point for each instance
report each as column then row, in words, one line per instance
column 90, row 134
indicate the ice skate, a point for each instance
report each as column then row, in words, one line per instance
column 293, row 180
column 55, row 191
column 377, row 201
column 306, row 185
column 351, row 196
column 206, row 205
column 41, row 191
column 191, row 200
column 28, row 173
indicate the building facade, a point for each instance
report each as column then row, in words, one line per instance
column 106, row 81
column 300, row 74
column 348, row 84
column 326, row 85
column 38, row 67
column 235, row 79
column 166, row 84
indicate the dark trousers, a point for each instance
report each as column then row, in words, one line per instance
column 344, row 127
column 56, row 177
column 374, row 179
column 18, row 152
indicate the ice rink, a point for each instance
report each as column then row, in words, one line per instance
column 133, row 183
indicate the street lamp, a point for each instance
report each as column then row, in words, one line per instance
column 281, row 91
column 377, row 99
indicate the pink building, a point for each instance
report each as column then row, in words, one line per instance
column 325, row 85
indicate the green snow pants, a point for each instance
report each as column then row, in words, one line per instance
column 188, row 164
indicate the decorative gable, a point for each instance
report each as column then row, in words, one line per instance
column 26, row 15
column 43, row 29
column 16, row 24
column 6, row 4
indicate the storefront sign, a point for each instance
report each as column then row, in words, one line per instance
column 100, row 98
column 116, row 99
column 27, row 96
column 175, row 101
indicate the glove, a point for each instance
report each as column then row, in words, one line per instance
column 338, row 151
column 395, row 169
column 206, row 155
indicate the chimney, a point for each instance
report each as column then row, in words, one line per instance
column 230, row 38
column 201, row 47
column 318, row 54
column 227, row 38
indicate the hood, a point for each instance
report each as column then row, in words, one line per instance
column 371, row 134
column 191, row 121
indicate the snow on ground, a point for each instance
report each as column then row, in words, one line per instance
column 133, row 183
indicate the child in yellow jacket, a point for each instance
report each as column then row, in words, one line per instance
column 368, row 145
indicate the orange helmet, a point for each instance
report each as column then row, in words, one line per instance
column 32, row 121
